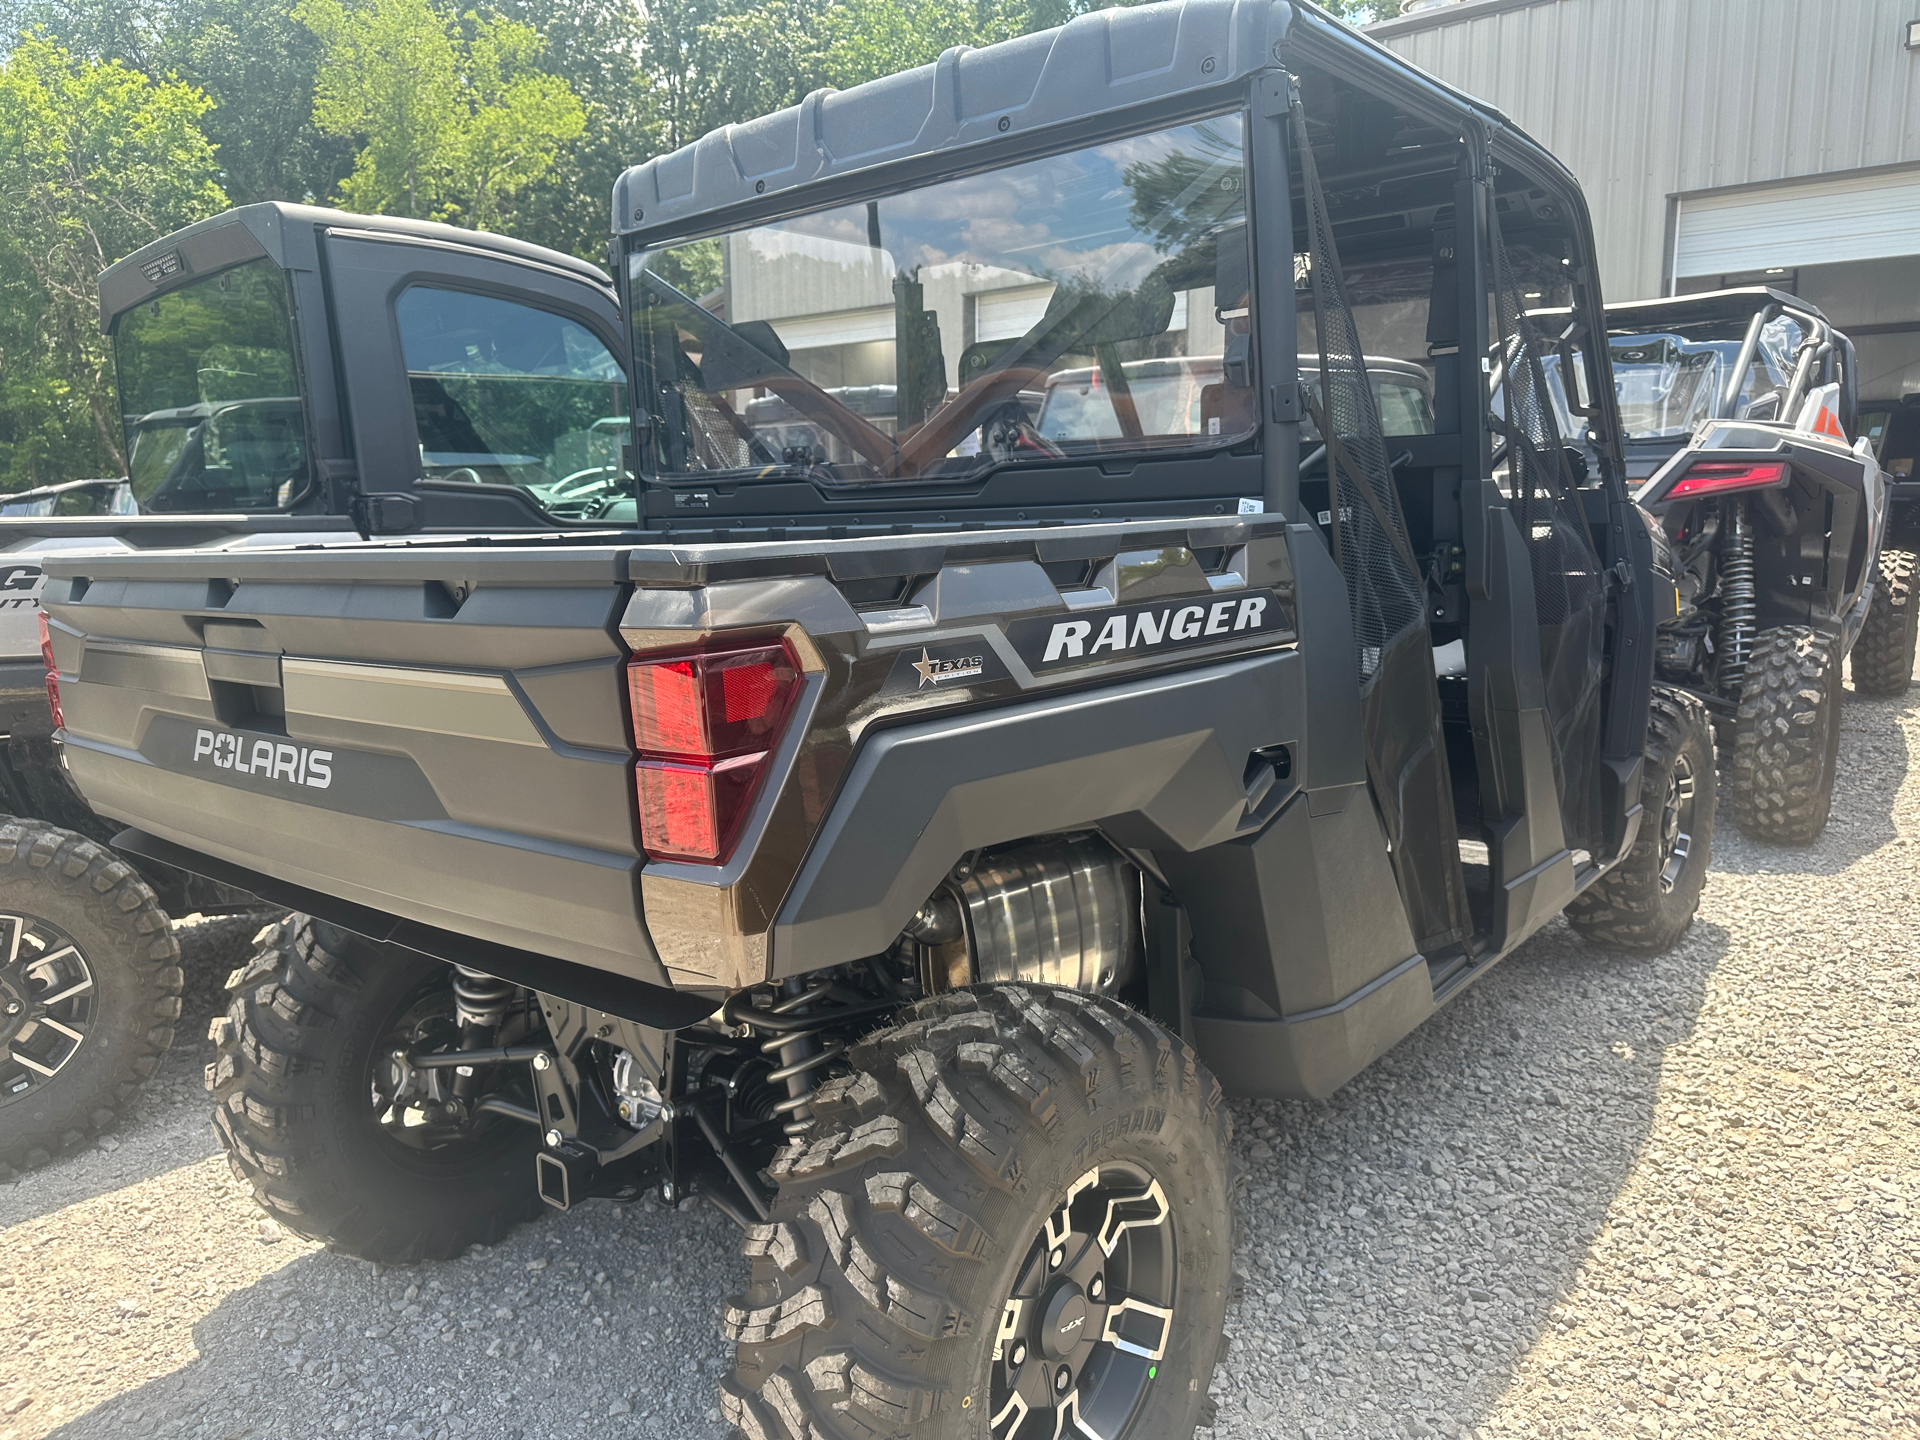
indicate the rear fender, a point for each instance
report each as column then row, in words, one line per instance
column 1814, row 537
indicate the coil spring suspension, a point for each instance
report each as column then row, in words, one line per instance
column 1739, row 601
column 481, row 1000
column 789, row 1032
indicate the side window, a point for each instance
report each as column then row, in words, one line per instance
column 1391, row 295
column 509, row 394
column 211, row 397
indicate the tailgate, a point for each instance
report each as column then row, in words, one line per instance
column 26, row 543
column 435, row 734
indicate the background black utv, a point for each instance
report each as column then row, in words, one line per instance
column 1773, row 532
column 272, row 393
column 1883, row 656
column 905, row 846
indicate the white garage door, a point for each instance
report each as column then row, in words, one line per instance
column 1009, row 314
column 1820, row 222
column 845, row 327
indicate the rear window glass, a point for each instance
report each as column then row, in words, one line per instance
column 210, row 395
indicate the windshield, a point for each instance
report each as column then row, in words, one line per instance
column 1668, row 382
column 962, row 326
column 213, row 415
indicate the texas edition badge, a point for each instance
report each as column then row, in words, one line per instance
column 945, row 665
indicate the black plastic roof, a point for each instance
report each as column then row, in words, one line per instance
column 287, row 235
column 1097, row 64
column 1176, row 55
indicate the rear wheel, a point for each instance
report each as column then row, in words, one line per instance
column 1882, row 657
column 1013, row 1221
column 1787, row 743
column 1647, row 901
column 89, row 989
column 341, row 1139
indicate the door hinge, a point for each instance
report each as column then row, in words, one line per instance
column 1287, row 404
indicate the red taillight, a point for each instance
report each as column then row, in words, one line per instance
column 705, row 725
column 1718, row 476
column 53, row 674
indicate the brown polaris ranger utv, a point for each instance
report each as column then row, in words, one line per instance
column 914, row 825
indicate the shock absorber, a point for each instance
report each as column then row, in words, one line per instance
column 800, row 1056
column 480, row 1000
column 1739, row 601
column 789, row 1033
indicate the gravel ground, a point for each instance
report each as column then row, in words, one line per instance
column 1596, row 1196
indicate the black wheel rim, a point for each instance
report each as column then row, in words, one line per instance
column 1083, row 1335
column 1676, row 825
column 46, row 1004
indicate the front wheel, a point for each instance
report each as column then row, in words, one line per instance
column 1647, row 901
column 89, row 989
column 1786, row 748
column 1882, row 657
column 342, row 1140
column 1012, row 1222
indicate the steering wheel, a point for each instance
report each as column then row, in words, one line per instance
column 581, row 480
column 462, row 475
column 1009, row 435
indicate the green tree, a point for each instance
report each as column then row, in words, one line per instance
column 866, row 39
column 594, row 46
column 254, row 61
column 95, row 161
column 258, row 65
column 454, row 118
column 1361, row 12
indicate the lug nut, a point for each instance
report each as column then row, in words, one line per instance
column 542, row 1061
column 1019, row 1356
column 13, row 1007
column 553, row 1139
column 1058, row 1258
column 1063, row 1380
column 1096, row 1288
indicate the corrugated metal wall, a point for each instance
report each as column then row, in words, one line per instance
column 1644, row 99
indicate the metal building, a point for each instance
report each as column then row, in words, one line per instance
column 1720, row 142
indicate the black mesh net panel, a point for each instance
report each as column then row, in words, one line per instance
column 1369, row 534
column 1569, row 591
column 718, row 438
column 1400, row 702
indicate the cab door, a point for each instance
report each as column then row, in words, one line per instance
column 483, row 390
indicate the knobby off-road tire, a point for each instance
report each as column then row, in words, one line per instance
column 294, row 1107
column 1883, row 655
column 1787, row 738
column 929, row 1194
column 89, row 989
column 1647, row 901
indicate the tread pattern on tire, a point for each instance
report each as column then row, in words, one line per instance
column 1882, row 658
column 1786, row 734
column 115, row 897
column 270, row 1085
column 1626, row 909
column 884, row 1229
